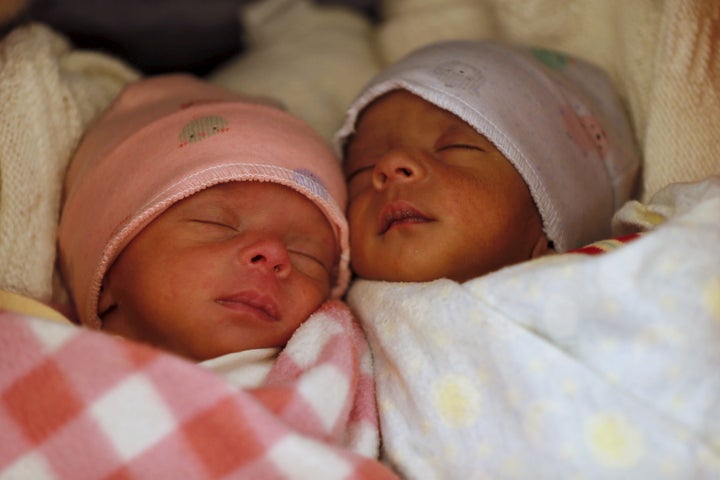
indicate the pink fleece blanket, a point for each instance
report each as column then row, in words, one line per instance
column 78, row 404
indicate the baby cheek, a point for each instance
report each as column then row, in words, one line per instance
column 309, row 296
column 361, row 217
column 197, row 271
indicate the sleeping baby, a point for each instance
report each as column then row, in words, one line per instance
column 467, row 164
column 208, row 225
column 201, row 221
column 466, row 157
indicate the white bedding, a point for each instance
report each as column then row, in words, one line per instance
column 571, row 366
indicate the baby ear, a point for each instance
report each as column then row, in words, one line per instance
column 106, row 300
column 543, row 246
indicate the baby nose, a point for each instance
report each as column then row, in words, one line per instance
column 396, row 166
column 270, row 256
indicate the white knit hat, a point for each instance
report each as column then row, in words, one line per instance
column 557, row 119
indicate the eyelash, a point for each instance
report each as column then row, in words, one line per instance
column 463, row 146
column 210, row 222
column 310, row 257
column 296, row 252
column 440, row 149
column 357, row 172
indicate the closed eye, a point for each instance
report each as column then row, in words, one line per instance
column 311, row 257
column 212, row 223
column 310, row 265
column 464, row 146
column 357, row 172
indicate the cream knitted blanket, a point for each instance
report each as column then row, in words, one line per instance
column 49, row 93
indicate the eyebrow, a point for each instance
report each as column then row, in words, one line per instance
column 204, row 204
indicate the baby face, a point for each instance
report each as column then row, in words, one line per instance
column 429, row 197
column 234, row 267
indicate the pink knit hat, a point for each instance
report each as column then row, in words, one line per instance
column 166, row 138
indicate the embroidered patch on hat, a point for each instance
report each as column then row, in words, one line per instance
column 202, row 128
column 309, row 180
column 459, row 75
column 554, row 60
column 585, row 130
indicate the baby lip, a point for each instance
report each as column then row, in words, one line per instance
column 400, row 212
column 253, row 300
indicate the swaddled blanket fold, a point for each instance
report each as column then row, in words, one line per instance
column 81, row 404
column 571, row 366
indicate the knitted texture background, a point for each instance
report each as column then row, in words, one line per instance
column 313, row 58
column 49, row 94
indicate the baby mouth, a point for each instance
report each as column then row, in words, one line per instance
column 395, row 215
column 244, row 301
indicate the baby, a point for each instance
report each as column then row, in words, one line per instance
column 465, row 157
column 209, row 225
column 200, row 221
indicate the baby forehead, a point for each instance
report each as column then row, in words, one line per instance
column 401, row 114
column 248, row 194
column 401, row 100
column 269, row 199
column 401, row 109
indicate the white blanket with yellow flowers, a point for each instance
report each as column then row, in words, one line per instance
column 573, row 366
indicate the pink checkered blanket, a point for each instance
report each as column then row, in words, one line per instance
column 80, row 404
